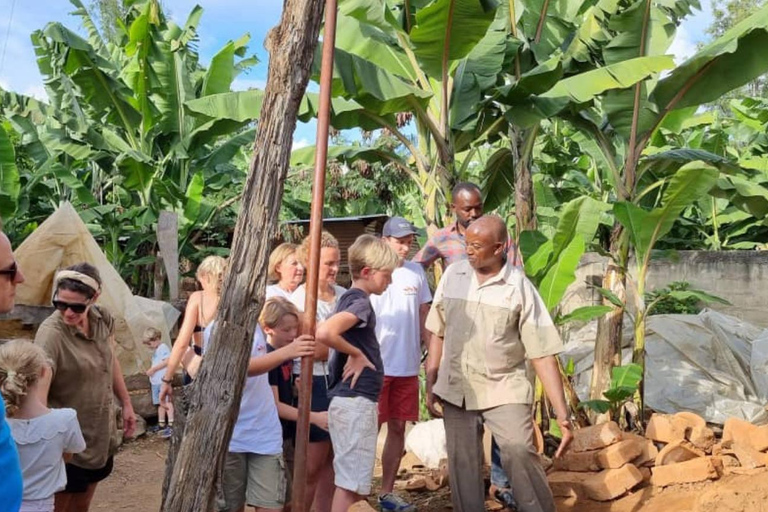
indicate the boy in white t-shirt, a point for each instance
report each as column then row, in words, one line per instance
column 153, row 339
column 400, row 313
column 254, row 469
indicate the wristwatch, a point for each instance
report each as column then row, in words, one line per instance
column 167, row 381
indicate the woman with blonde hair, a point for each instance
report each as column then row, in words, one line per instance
column 285, row 272
column 44, row 437
column 320, row 475
column 201, row 310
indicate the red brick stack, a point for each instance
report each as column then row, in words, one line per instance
column 604, row 463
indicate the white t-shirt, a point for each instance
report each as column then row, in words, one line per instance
column 274, row 290
column 257, row 429
column 41, row 443
column 161, row 353
column 324, row 310
column 397, row 320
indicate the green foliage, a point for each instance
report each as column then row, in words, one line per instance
column 679, row 298
column 625, row 381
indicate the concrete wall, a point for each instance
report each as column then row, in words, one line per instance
column 740, row 277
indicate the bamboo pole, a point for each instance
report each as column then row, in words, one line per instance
column 315, row 233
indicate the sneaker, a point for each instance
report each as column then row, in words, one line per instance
column 155, row 428
column 166, row 433
column 504, row 496
column 392, row 501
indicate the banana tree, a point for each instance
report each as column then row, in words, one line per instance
column 116, row 134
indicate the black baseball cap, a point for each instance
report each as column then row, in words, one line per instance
column 398, row 227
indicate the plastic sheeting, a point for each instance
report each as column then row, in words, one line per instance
column 711, row 364
column 63, row 240
column 426, row 440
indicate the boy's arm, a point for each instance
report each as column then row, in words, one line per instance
column 290, row 413
column 330, row 332
column 302, row 346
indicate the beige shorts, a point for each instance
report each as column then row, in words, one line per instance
column 354, row 427
column 254, row 480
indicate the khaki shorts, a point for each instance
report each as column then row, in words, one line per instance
column 254, row 480
column 354, row 427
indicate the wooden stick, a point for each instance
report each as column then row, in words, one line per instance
column 299, row 503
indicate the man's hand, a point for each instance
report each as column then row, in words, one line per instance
column 567, row 436
column 354, row 368
column 129, row 420
column 433, row 401
column 166, row 394
column 302, row 346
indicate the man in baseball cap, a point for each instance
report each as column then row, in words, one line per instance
column 400, row 314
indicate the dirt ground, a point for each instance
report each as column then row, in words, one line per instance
column 137, row 479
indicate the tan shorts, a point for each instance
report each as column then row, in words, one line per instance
column 254, row 480
column 354, row 427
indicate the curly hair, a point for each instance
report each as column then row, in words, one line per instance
column 327, row 240
column 21, row 362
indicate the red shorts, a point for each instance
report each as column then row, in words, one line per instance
column 399, row 399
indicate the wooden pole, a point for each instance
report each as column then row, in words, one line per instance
column 299, row 503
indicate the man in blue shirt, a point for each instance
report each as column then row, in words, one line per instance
column 10, row 483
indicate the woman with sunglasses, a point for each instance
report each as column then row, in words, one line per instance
column 79, row 339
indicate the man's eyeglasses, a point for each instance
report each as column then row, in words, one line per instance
column 10, row 271
column 76, row 307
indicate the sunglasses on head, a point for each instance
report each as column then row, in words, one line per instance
column 76, row 307
column 10, row 271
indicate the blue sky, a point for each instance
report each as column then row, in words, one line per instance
column 222, row 20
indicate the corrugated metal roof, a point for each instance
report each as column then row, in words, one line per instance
column 341, row 219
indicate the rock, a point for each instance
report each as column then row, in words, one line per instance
column 595, row 437
column 616, row 455
column 687, row 421
column 677, row 451
column 759, row 438
column 694, row 470
column 410, row 460
column 649, row 453
column 141, row 427
column 417, row 484
column 702, row 438
column 748, row 457
column 361, row 506
column 663, row 429
column 493, row 505
column 142, row 403
column 738, row 430
column 577, row 461
column 568, row 483
column 612, row 483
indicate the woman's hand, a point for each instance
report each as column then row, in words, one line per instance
column 302, row 346
column 319, row 419
column 166, row 394
column 129, row 420
column 150, row 372
column 354, row 368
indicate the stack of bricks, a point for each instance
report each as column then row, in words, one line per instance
column 604, row 463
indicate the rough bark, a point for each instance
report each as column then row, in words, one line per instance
column 215, row 396
column 525, row 203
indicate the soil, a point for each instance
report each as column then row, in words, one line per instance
column 136, row 483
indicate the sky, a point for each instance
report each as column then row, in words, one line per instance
column 222, row 20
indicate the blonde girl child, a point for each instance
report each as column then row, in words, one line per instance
column 280, row 322
column 44, row 437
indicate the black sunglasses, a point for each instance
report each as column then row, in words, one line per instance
column 76, row 307
column 10, row 271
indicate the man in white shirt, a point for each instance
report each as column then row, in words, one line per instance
column 400, row 313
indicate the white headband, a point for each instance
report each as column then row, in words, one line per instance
column 76, row 276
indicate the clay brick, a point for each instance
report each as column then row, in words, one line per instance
column 738, row 431
column 649, row 453
column 646, row 472
column 663, row 429
column 702, row 438
column 617, row 455
column 748, row 457
column 688, row 420
column 361, row 506
column 577, row 461
column 595, row 437
column 612, row 483
column 694, row 470
column 568, row 483
column 759, row 438
column 677, row 451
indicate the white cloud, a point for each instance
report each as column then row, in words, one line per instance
column 36, row 91
column 298, row 144
column 240, row 84
column 682, row 46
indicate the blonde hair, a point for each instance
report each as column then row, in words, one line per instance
column 213, row 267
column 21, row 362
column 327, row 240
column 151, row 334
column 274, row 311
column 370, row 251
column 279, row 255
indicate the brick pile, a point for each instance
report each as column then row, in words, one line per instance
column 604, row 463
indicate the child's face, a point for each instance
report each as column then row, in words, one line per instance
column 379, row 281
column 153, row 344
column 285, row 331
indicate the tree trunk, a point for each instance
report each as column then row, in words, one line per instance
column 215, row 396
column 525, row 203
column 609, row 326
